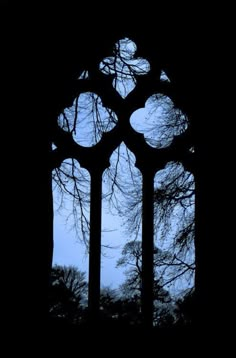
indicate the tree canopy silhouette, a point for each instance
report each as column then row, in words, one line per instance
column 67, row 293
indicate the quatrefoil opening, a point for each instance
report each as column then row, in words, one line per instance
column 159, row 121
column 124, row 67
column 87, row 119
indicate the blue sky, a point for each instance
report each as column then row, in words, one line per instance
column 68, row 250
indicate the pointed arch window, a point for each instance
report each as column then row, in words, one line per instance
column 108, row 110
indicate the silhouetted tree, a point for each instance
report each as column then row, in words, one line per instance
column 185, row 308
column 132, row 287
column 132, row 259
column 67, row 293
column 174, row 223
column 118, row 309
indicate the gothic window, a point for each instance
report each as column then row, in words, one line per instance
column 125, row 107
